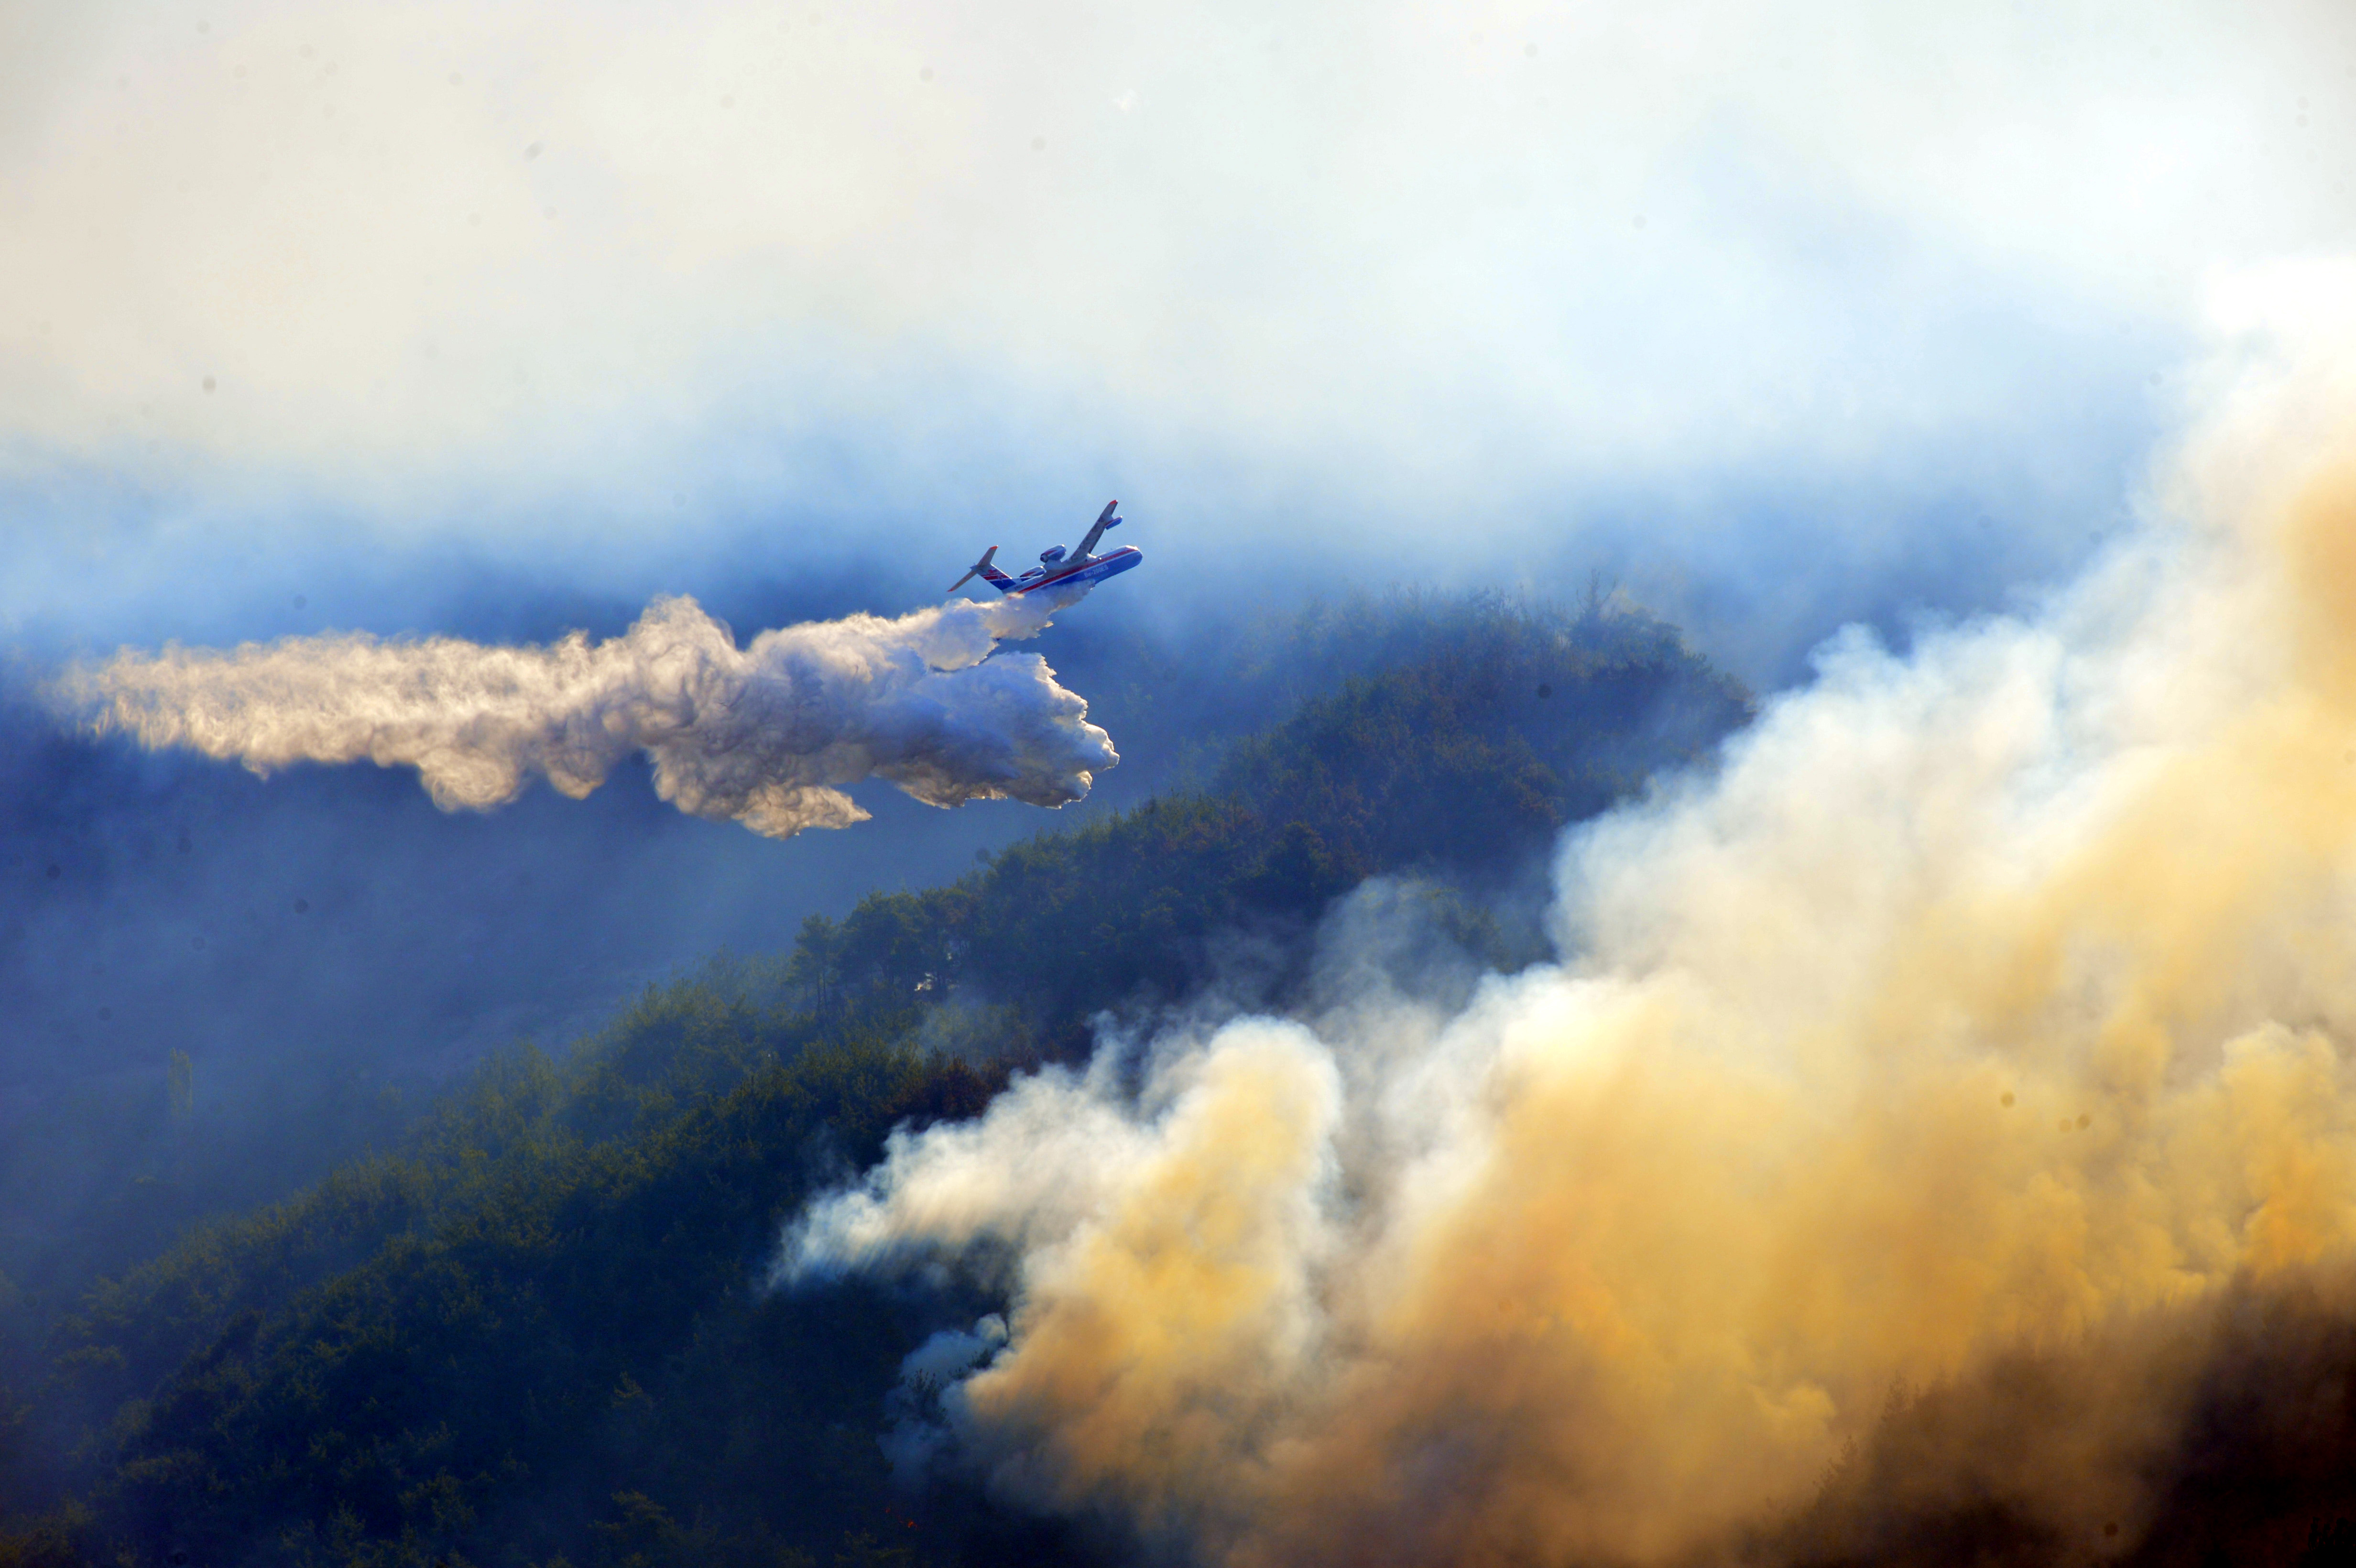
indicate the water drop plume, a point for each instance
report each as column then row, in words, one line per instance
column 768, row 735
column 1988, row 1006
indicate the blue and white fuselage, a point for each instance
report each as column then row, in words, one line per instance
column 1057, row 568
column 1067, row 573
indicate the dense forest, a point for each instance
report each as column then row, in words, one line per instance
column 326, row 950
column 534, row 1330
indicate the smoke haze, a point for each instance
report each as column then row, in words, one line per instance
column 1990, row 1001
column 329, row 949
column 1986, row 1003
column 767, row 736
column 613, row 301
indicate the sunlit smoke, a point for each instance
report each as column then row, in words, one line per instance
column 1990, row 999
column 767, row 735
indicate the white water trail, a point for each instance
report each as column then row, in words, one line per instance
column 768, row 735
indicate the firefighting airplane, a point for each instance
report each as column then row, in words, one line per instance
column 1056, row 569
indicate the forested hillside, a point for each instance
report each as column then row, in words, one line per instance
column 327, row 951
column 538, row 1332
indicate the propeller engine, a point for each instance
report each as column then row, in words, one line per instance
column 977, row 568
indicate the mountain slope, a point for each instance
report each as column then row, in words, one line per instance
column 538, row 1332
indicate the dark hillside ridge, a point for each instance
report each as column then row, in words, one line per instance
column 1459, row 767
column 325, row 951
column 538, row 1334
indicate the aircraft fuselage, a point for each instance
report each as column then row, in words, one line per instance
column 1068, row 573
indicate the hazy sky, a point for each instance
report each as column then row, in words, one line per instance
column 628, row 298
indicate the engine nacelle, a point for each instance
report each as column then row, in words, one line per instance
column 1114, row 522
column 1050, row 557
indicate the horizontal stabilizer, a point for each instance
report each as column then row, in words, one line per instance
column 976, row 569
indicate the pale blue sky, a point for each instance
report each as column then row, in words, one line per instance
column 1785, row 312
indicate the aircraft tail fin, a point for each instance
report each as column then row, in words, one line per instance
column 987, row 572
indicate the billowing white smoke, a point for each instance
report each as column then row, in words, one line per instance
column 1986, row 999
column 767, row 735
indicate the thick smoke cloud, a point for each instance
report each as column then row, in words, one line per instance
column 1988, row 1001
column 767, row 735
column 1433, row 292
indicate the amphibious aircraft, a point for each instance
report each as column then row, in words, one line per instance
column 1056, row 569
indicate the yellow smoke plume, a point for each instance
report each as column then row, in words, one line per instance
column 1987, row 1009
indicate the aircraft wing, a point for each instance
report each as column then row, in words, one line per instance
column 1105, row 519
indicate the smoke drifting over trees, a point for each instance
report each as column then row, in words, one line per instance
column 1474, row 1087
column 721, row 1105
column 1990, row 1004
column 1926, row 1137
